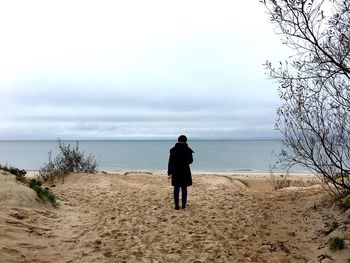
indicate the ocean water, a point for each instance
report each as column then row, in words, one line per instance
column 151, row 155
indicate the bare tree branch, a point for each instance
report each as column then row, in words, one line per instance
column 314, row 87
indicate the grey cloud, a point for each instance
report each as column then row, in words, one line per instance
column 157, row 113
column 207, row 82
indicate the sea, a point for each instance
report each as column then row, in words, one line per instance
column 258, row 155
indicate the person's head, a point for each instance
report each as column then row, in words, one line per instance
column 182, row 138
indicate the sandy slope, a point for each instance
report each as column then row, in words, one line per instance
column 130, row 218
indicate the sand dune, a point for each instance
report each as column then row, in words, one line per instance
column 130, row 218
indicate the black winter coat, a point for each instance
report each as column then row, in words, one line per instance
column 179, row 165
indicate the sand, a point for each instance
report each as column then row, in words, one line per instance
column 131, row 218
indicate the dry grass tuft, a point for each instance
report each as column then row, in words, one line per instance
column 285, row 180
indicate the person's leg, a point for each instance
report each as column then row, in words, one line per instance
column 176, row 196
column 184, row 196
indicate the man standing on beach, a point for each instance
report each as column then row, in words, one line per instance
column 179, row 169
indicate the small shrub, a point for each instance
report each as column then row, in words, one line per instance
column 20, row 174
column 43, row 193
column 70, row 159
column 336, row 243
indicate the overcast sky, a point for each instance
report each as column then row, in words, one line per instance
column 121, row 69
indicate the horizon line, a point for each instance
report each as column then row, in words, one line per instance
column 141, row 138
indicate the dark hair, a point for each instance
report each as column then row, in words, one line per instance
column 182, row 138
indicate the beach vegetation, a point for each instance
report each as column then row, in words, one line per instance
column 19, row 173
column 314, row 87
column 336, row 243
column 69, row 160
column 43, row 193
column 286, row 180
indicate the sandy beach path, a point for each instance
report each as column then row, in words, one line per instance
column 131, row 218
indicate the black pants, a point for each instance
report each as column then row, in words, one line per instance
column 183, row 195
